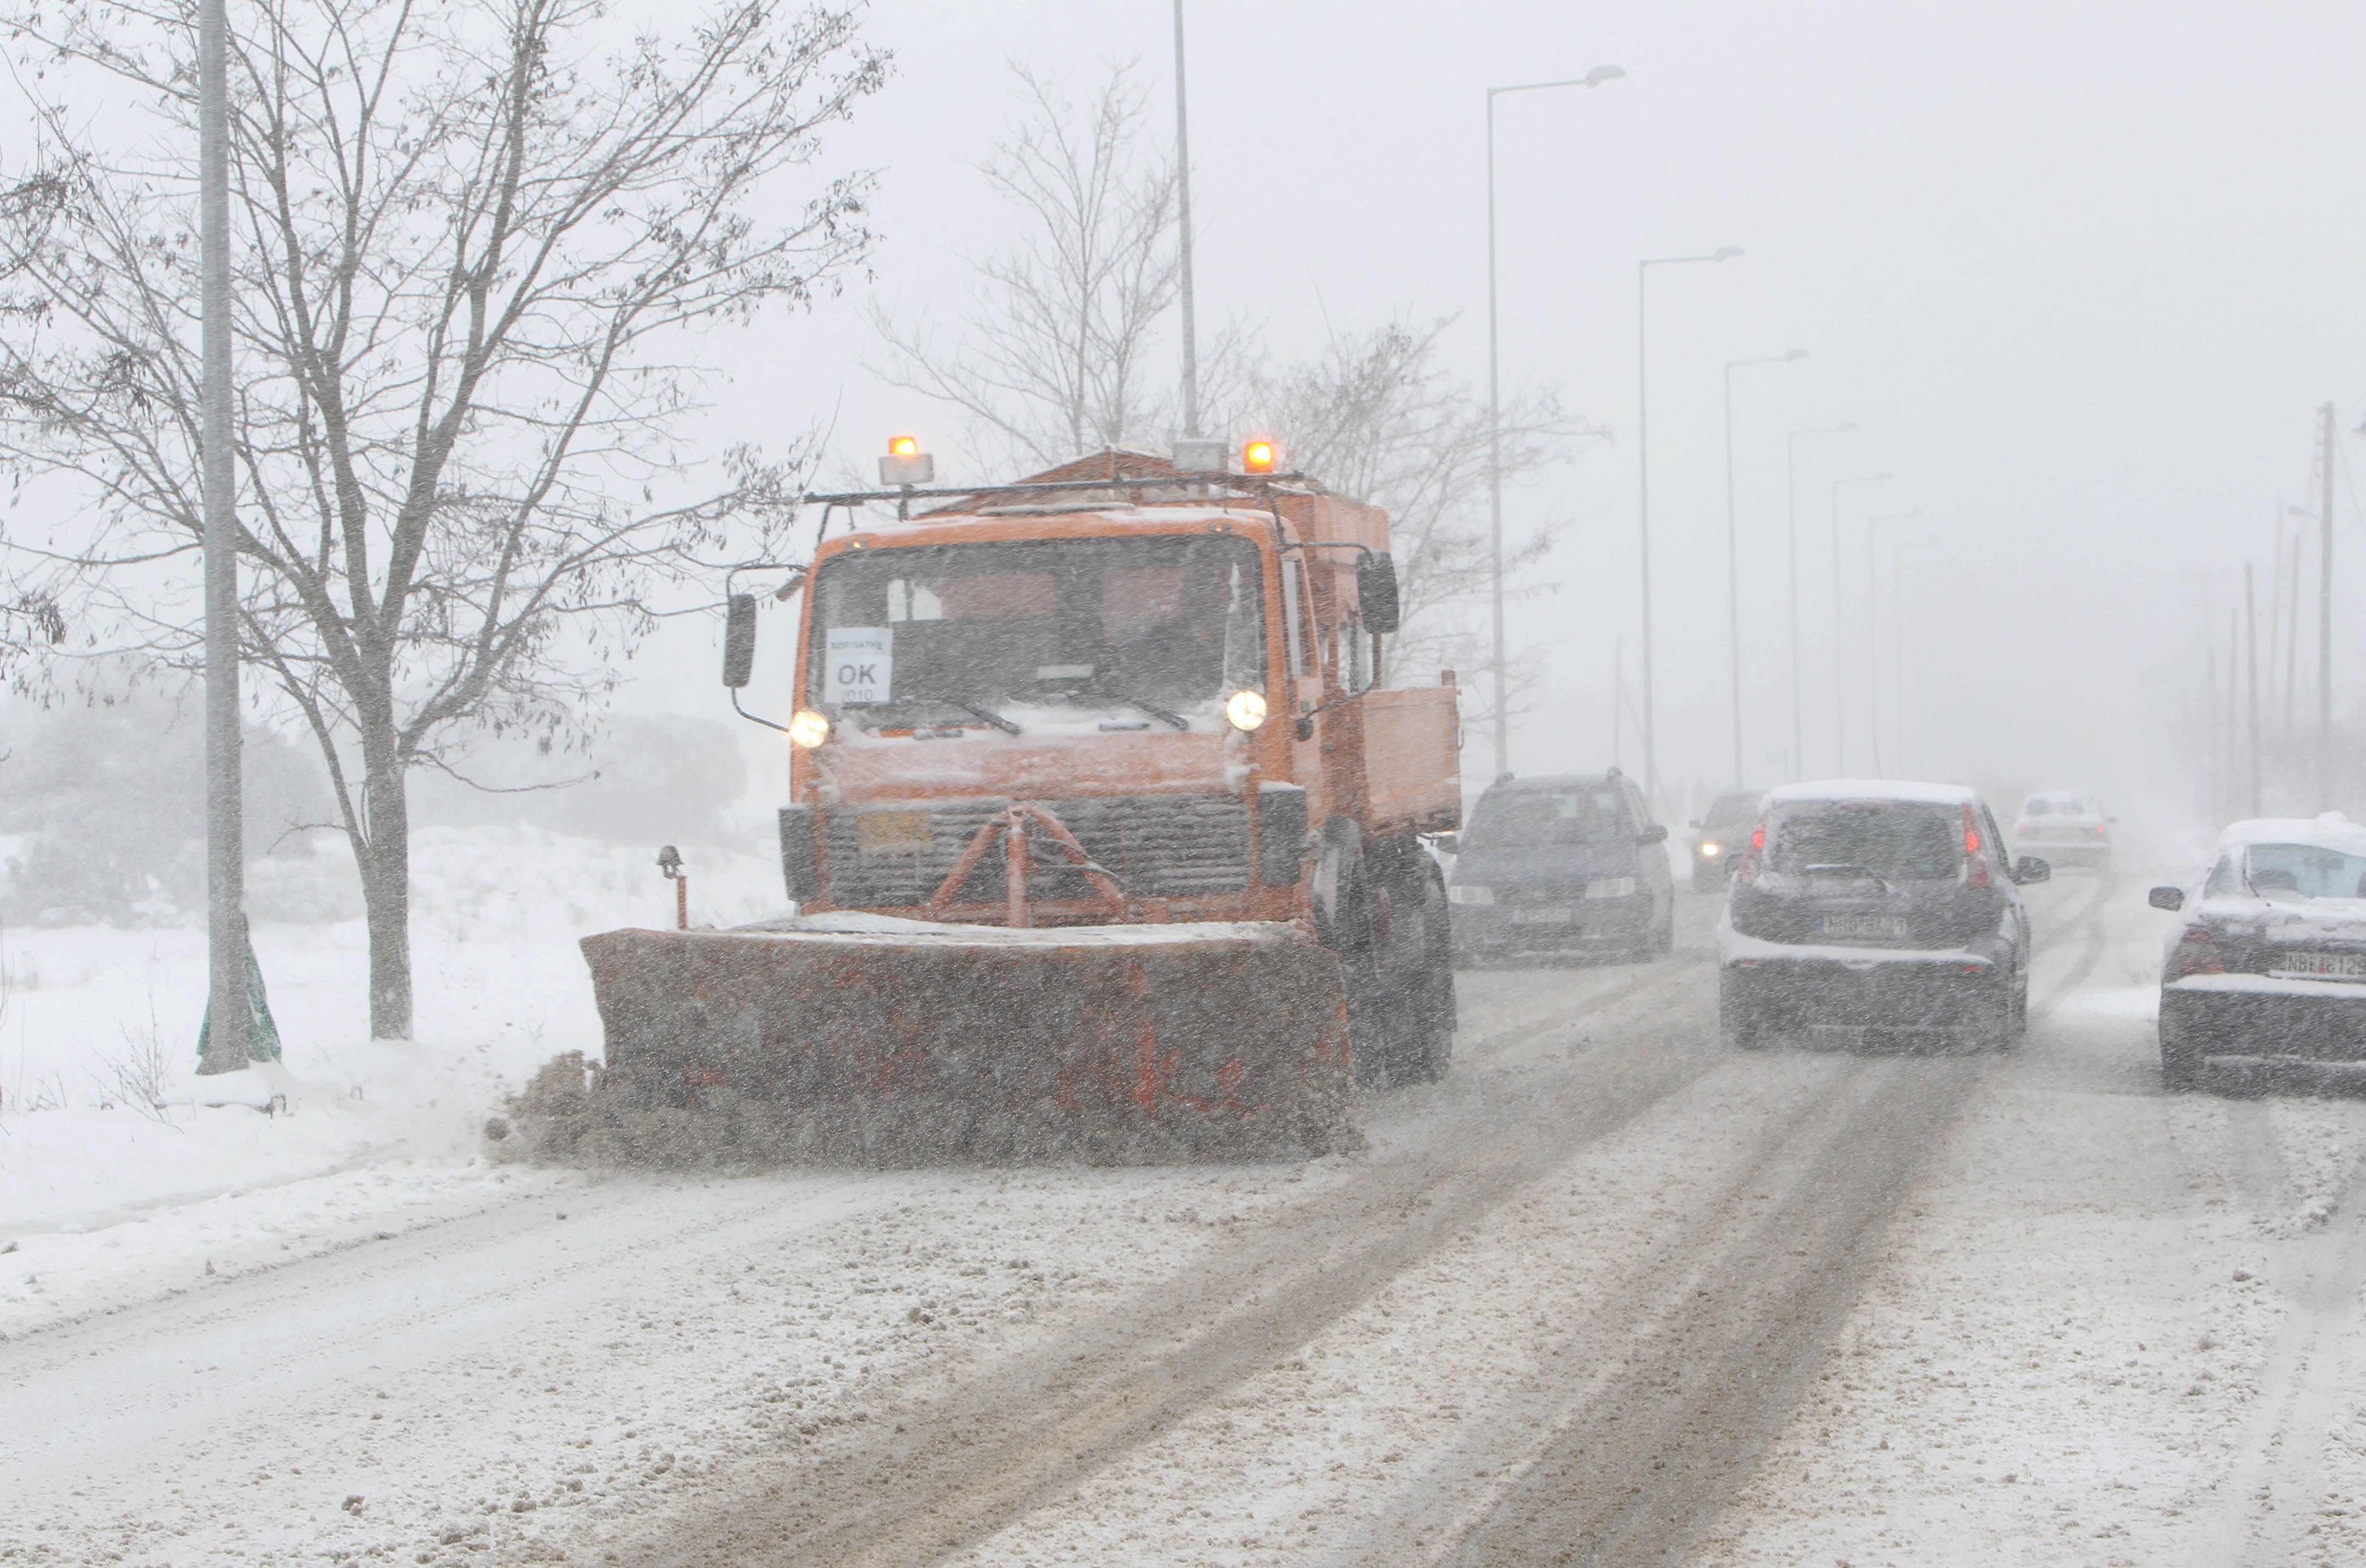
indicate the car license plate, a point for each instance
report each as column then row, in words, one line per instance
column 1545, row 914
column 1861, row 925
column 2323, row 965
column 893, row 832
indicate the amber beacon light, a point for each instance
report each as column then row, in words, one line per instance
column 1257, row 457
column 906, row 464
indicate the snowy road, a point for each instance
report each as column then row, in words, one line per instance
column 1611, row 1293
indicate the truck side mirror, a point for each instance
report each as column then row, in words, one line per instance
column 1376, row 588
column 1654, row 834
column 2166, row 897
column 738, row 640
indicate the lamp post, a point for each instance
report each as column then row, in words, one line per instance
column 1897, row 554
column 1593, row 78
column 1840, row 653
column 1643, row 487
column 1872, row 630
column 1733, row 548
column 1791, row 525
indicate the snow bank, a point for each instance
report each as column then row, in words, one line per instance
column 102, row 1123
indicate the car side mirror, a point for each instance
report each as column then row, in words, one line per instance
column 1376, row 591
column 1450, row 843
column 1654, row 834
column 738, row 640
column 2029, row 869
column 2166, row 897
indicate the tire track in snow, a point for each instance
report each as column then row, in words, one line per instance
column 999, row 1448
column 1640, row 1464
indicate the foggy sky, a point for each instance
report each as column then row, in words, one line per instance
column 2082, row 273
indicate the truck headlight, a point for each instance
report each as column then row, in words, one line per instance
column 808, row 730
column 1245, row 709
column 1711, row 849
column 1462, row 895
column 1610, row 887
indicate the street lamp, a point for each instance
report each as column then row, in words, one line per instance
column 1593, row 78
column 1791, row 508
column 1840, row 653
column 1873, row 630
column 1733, row 548
column 1643, row 487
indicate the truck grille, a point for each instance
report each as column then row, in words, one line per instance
column 1159, row 846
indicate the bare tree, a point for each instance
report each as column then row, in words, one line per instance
column 1378, row 416
column 1051, row 360
column 477, row 239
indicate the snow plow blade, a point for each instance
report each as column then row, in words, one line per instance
column 888, row 1042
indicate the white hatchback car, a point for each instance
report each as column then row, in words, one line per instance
column 2065, row 826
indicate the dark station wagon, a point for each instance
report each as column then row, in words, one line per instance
column 1880, row 907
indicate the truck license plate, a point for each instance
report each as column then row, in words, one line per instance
column 893, row 832
column 2323, row 965
column 1862, row 925
column 1545, row 914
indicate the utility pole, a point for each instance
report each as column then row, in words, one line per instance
column 1183, row 216
column 1798, row 762
column 2251, row 658
column 1734, row 551
column 226, row 1000
column 2324, row 627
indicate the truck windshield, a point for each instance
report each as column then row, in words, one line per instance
column 1890, row 839
column 1176, row 621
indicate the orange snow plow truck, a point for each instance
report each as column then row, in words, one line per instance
column 1104, row 834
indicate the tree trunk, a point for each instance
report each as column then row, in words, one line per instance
column 386, row 894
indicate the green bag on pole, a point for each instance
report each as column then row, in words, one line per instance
column 262, row 1035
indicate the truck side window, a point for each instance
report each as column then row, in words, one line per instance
column 1293, row 617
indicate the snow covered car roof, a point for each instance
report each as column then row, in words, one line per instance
column 2330, row 831
column 1873, row 789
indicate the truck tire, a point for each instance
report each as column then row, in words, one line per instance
column 1426, row 1046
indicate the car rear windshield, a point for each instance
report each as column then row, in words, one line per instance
column 2306, row 871
column 1891, row 839
column 1529, row 817
column 2058, row 806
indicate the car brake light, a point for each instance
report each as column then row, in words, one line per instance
column 1747, row 872
column 2196, row 954
column 1976, row 865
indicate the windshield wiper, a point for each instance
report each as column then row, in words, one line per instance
column 1834, row 870
column 990, row 716
column 1145, row 704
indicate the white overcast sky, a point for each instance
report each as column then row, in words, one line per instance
column 2082, row 273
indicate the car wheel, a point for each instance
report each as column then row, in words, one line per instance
column 2181, row 1064
column 2020, row 1006
column 1738, row 1023
column 1992, row 1028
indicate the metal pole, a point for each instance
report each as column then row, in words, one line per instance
column 1733, row 577
column 1183, row 216
column 1733, row 549
column 226, row 999
column 2251, row 659
column 1840, row 657
column 1593, row 78
column 2324, row 631
column 1791, row 531
column 1495, row 468
column 1618, row 702
column 1839, row 635
column 1643, row 512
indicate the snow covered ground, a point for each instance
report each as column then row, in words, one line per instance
column 104, row 1199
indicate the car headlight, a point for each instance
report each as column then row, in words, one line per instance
column 1245, row 709
column 1711, row 849
column 808, row 730
column 1465, row 895
column 1610, row 887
